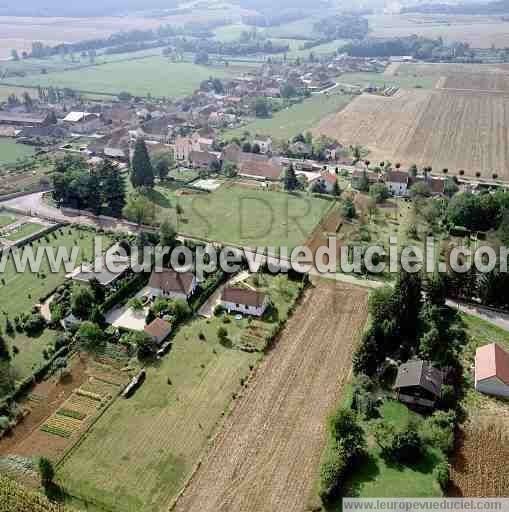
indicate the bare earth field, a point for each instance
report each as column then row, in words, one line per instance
column 454, row 130
column 267, row 456
column 493, row 82
column 479, row 31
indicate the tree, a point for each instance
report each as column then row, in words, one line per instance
column 348, row 209
column 246, row 147
column 46, row 472
column 413, row 171
column 290, row 181
column 146, row 346
column 90, row 336
column 379, row 192
column 363, row 185
column 139, row 209
column 344, row 429
column 262, row 108
column 336, row 191
column 222, row 335
column 229, row 169
column 421, row 189
column 4, row 350
column 82, row 302
column 14, row 54
column 256, row 149
column 167, row 234
column 201, row 58
column 142, row 173
column 162, row 169
column 135, row 304
column 112, row 188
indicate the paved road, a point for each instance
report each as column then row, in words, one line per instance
column 496, row 318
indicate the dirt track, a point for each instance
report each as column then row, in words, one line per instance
column 267, row 456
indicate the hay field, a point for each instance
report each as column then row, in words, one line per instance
column 491, row 82
column 443, row 129
column 267, row 455
column 478, row 31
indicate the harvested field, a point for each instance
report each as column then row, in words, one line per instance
column 267, row 456
column 478, row 82
column 482, row 447
column 443, row 129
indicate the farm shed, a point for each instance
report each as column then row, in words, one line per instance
column 158, row 329
column 172, row 284
column 492, row 370
column 418, row 383
column 244, row 300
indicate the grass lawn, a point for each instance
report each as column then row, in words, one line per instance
column 299, row 118
column 6, row 220
column 154, row 75
column 141, row 451
column 30, row 355
column 242, row 216
column 20, row 291
column 10, row 151
column 25, row 230
column 379, row 79
column 378, row 478
column 182, row 174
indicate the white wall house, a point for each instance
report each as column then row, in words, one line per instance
column 245, row 301
column 82, row 122
column 492, row 370
column 265, row 144
column 397, row 182
column 172, row 285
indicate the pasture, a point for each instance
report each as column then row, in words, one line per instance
column 299, row 118
column 142, row 450
column 383, row 80
column 267, row 455
column 242, row 216
column 10, row 151
column 156, row 76
column 453, row 130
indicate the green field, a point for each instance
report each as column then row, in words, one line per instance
column 10, row 151
column 299, row 118
column 155, row 75
column 379, row 79
column 20, row 291
column 6, row 219
column 30, row 228
column 141, row 451
column 242, row 216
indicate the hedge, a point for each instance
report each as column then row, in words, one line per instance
column 125, row 291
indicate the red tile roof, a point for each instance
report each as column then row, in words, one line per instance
column 172, row 281
column 158, row 328
column 492, row 361
column 243, row 296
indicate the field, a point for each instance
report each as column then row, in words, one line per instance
column 483, row 438
column 443, row 129
column 19, row 291
column 478, row 31
column 10, row 151
column 486, row 82
column 155, row 75
column 383, row 80
column 297, row 119
column 267, row 456
column 141, row 451
column 240, row 216
column 24, row 231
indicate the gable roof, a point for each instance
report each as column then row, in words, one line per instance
column 492, row 361
column 158, row 328
column 30, row 118
column 171, row 281
column 419, row 373
column 202, row 157
column 397, row 177
column 260, row 168
column 76, row 117
column 243, row 296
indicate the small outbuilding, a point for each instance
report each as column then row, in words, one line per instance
column 245, row 301
column 492, row 370
column 158, row 330
column 418, row 383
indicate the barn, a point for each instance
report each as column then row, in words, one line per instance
column 492, row 370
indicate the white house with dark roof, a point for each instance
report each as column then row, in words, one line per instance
column 397, row 182
column 172, row 285
column 245, row 301
column 265, row 144
column 492, row 370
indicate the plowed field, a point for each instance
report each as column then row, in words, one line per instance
column 267, row 455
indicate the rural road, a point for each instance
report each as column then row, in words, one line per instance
column 496, row 318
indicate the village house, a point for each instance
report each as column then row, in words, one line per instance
column 301, row 149
column 26, row 119
column 265, row 144
column 492, row 370
column 326, row 182
column 418, row 383
column 185, row 145
column 172, row 285
column 397, row 182
column 262, row 168
column 82, row 122
column 203, row 159
column 358, row 175
column 158, row 330
column 245, row 301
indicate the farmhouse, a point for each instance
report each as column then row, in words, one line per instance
column 326, row 182
column 158, row 330
column 418, row 383
column 172, row 284
column 82, row 122
column 397, row 182
column 184, row 146
column 202, row 159
column 244, row 300
column 264, row 143
column 260, row 169
column 32, row 119
column 492, row 370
